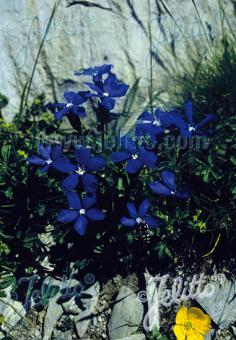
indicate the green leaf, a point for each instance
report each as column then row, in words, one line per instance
column 2, row 318
column 6, row 152
column 131, row 97
column 120, row 184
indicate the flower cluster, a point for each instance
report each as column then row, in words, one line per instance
column 82, row 171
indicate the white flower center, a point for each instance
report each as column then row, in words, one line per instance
column 135, row 156
column 105, row 94
column 95, row 73
column 157, row 122
column 82, row 211
column 139, row 220
column 48, row 161
column 172, row 192
column 191, row 128
column 80, row 170
column 69, row 104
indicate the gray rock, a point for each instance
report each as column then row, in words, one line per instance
column 153, row 315
column 89, row 304
column 126, row 315
column 71, row 307
column 220, row 302
column 12, row 310
column 74, row 41
column 135, row 337
column 53, row 314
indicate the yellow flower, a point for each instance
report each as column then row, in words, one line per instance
column 191, row 324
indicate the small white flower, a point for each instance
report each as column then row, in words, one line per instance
column 191, row 128
column 82, row 211
column 48, row 161
column 80, row 171
column 135, row 156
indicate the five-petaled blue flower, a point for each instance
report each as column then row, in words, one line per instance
column 139, row 217
column 96, row 72
column 72, row 105
column 191, row 128
column 85, row 165
column 136, row 157
column 154, row 124
column 48, row 156
column 168, row 187
column 108, row 90
column 81, row 212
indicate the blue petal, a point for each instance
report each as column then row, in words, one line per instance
column 103, row 69
column 95, row 163
column 70, row 182
column 59, row 114
column 67, row 216
column 178, row 121
column 79, row 99
column 74, row 200
column 159, row 188
column 81, row 225
column 82, row 155
column 153, row 222
column 79, row 111
column 148, row 158
column 143, row 208
column 166, row 118
column 182, row 194
column 128, row 144
column 186, row 133
column 108, row 103
column 119, row 90
column 189, row 111
column 133, row 165
column 45, row 151
column 36, row 160
column 89, row 200
column 119, row 156
column 90, row 182
column 169, row 179
column 95, row 88
column 146, row 118
column 128, row 222
column 95, row 214
column 46, row 168
column 56, row 152
column 87, row 72
column 113, row 88
column 64, row 165
column 132, row 210
column 69, row 95
column 209, row 118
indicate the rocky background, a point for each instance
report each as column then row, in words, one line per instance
column 82, row 36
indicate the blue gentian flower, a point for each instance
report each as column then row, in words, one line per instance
column 96, row 72
column 168, row 187
column 191, row 128
column 81, row 212
column 48, row 156
column 108, row 90
column 136, row 157
column 72, row 104
column 154, row 124
column 139, row 217
column 85, row 165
